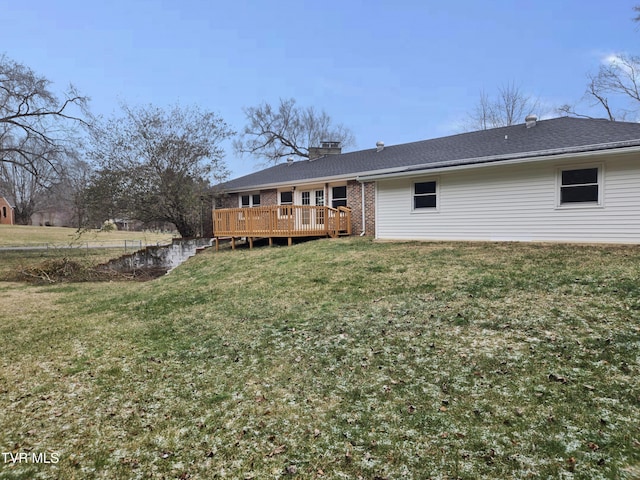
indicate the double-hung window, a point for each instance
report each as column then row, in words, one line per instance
column 339, row 197
column 247, row 201
column 425, row 196
column 580, row 186
column 286, row 199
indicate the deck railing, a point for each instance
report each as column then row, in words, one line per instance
column 282, row 221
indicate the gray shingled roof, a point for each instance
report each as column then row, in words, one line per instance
column 547, row 137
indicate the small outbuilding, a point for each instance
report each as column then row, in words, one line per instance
column 7, row 215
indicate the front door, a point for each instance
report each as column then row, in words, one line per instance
column 313, row 198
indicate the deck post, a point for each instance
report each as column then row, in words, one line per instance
column 250, row 242
column 233, row 243
column 217, row 244
column 290, row 242
column 271, row 241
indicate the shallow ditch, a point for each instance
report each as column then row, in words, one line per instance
column 158, row 260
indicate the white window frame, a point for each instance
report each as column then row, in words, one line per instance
column 580, row 205
column 346, row 193
column 281, row 211
column 250, row 195
column 412, row 194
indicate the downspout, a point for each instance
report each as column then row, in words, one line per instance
column 364, row 229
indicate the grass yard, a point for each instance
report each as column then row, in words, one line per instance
column 20, row 235
column 332, row 359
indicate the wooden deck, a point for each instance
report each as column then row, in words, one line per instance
column 280, row 221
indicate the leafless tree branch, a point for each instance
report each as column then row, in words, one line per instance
column 288, row 130
column 510, row 106
column 32, row 119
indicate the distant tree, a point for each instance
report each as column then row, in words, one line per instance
column 156, row 164
column 72, row 190
column 108, row 196
column 36, row 128
column 509, row 107
column 615, row 89
column 29, row 187
column 275, row 133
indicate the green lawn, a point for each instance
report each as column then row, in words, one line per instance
column 332, row 359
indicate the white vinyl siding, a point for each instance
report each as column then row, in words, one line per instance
column 515, row 202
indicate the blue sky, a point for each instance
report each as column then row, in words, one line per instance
column 396, row 71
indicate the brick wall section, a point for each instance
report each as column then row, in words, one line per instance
column 268, row 197
column 370, row 204
column 228, row 201
column 354, row 201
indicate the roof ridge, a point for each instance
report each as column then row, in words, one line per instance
column 565, row 133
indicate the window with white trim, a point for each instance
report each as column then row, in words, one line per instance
column 425, row 195
column 580, row 186
column 252, row 200
column 339, row 196
column 286, row 199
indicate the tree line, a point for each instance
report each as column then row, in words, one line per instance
column 152, row 164
column 156, row 164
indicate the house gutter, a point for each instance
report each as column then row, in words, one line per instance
column 288, row 183
column 472, row 162
column 617, row 148
column 364, row 227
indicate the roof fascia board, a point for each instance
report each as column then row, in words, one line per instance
column 488, row 162
column 473, row 162
column 312, row 181
column 304, row 181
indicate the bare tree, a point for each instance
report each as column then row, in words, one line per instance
column 482, row 116
column 28, row 189
column 70, row 193
column 615, row 89
column 156, row 164
column 509, row 107
column 274, row 133
column 35, row 126
column 620, row 77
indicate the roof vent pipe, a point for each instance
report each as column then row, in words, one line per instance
column 531, row 120
column 289, row 160
column 379, row 146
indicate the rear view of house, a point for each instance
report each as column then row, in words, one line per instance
column 563, row 179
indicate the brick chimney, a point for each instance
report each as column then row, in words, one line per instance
column 325, row 148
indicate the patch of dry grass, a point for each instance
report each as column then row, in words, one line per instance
column 21, row 235
column 30, row 264
column 333, row 359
